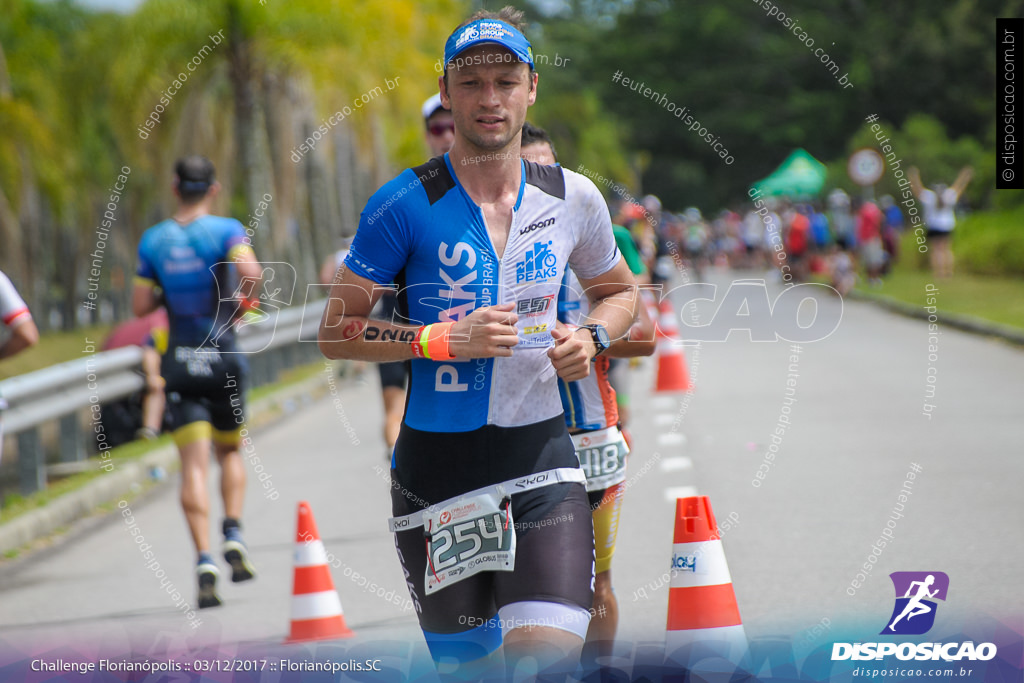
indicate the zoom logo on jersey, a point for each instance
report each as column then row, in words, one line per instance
column 915, row 588
column 539, row 263
column 914, row 614
column 534, row 306
column 537, row 226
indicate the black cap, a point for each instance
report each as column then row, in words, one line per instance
column 195, row 175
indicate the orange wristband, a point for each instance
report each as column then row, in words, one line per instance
column 437, row 341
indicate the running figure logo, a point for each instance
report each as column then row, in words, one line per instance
column 232, row 314
column 914, row 612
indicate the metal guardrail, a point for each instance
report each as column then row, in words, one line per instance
column 61, row 392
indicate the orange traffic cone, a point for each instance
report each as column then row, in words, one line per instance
column 667, row 326
column 316, row 607
column 672, row 372
column 647, row 300
column 701, row 602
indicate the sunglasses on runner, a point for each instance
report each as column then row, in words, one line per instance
column 441, row 128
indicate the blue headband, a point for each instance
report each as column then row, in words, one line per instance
column 488, row 31
column 193, row 186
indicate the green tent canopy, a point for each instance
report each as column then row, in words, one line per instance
column 800, row 175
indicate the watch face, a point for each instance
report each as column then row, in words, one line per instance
column 601, row 337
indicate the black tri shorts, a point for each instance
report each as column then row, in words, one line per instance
column 205, row 386
column 553, row 581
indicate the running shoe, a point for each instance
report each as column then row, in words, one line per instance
column 207, row 573
column 146, row 434
column 237, row 555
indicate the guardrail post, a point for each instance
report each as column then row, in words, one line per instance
column 71, row 447
column 31, row 462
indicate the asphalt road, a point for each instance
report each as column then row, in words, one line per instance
column 794, row 544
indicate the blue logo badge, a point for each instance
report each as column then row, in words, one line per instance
column 539, row 263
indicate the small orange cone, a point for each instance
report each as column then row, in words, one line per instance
column 672, row 372
column 316, row 607
column 647, row 300
column 667, row 326
column 701, row 602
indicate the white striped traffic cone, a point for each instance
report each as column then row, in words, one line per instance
column 672, row 374
column 647, row 299
column 316, row 607
column 668, row 328
column 701, row 602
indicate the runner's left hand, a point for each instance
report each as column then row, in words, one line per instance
column 571, row 354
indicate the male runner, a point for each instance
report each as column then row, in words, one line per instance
column 591, row 414
column 16, row 318
column 440, row 126
column 24, row 333
column 483, row 465
column 394, row 377
column 186, row 256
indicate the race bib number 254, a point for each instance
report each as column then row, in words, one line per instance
column 469, row 536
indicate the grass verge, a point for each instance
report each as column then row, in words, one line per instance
column 998, row 299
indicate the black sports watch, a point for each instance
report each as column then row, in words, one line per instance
column 600, row 336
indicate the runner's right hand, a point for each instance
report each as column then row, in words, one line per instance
column 487, row 332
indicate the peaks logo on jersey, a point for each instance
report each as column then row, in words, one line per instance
column 537, row 226
column 916, row 592
column 539, row 263
column 534, row 306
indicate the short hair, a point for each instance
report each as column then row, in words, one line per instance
column 508, row 14
column 535, row 134
column 195, row 174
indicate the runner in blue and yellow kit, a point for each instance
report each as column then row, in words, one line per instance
column 185, row 262
column 492, row 524
column 592, row 416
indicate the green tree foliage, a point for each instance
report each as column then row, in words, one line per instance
column 755, row 84
column 76, row 88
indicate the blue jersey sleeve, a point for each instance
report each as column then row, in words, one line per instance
column 234, row 234
column 382, row 243
column 146, row 271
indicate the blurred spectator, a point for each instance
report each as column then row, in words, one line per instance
column 798, row 240
column 753, row 240
column 841, row 219
column 695, row 240
column 892, row 227
column 940, row 217
column 869, row 239
column 142, row 414
column 843, row 274
column 821, row 239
